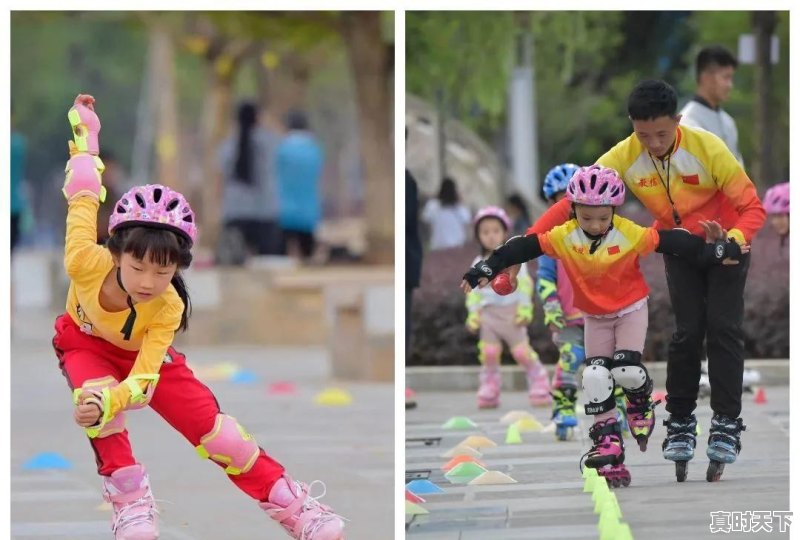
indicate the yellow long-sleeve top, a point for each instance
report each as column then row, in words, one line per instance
column 87, row 265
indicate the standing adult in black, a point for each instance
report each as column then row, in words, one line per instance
column 413, row 254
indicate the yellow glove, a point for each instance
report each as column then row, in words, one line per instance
column 524, row 315
column 473, row 321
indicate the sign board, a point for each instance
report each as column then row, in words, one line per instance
column 747, row 49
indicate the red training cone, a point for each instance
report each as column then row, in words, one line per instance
column 761, row 396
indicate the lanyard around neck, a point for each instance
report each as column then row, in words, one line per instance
column 675, row 214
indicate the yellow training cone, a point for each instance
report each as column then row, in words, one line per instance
column 515, row 416
column 461, row 450
column 528, row 424
column 513, row 436
column 478, row 442
column 590, row 479
column 333, row 397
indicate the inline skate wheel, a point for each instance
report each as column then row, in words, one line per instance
column 681, row 470
column 714, row 472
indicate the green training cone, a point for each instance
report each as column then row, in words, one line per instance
column 459, row 422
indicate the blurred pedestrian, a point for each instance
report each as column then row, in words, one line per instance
column 299, row 164
column 447, row 217
column 776, row 204
column 19, row 204
column 413, row 262
column 517, row 211
column 250, row 195
column 714, row 69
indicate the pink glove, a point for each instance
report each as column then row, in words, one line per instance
column 85, row 125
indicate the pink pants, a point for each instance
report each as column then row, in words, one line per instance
column 626, row 333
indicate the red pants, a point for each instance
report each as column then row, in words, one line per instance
column 180, row 399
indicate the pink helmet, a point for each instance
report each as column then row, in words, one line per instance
column 154, row 205
column 491, row 211
column 596, row 186
column 776, row 201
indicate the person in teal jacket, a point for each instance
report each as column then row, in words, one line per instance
column 299, row 164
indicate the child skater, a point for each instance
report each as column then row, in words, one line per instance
column 776, row 204
column 503, row 318
column 126, row 301
column 565, row 321
column 601, row 251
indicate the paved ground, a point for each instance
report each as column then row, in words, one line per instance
column 548, row 501
column 350, row 448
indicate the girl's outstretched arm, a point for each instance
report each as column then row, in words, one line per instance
column 716, row 249
column 83, row 189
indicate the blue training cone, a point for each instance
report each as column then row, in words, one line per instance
column 47, row 460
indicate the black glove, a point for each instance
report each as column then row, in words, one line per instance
column 720, row 250
column 482, row 269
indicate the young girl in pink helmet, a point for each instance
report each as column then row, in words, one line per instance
column 601, row 252
column 776, row 204
column 501, row 319
column 125, row 304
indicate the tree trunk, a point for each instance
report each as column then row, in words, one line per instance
column 764, row 23
column 217, row 111
column 166, row 111
column 369, row 60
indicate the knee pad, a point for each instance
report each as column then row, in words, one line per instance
column 629, row 372
column 524, row 355
column 230, row 445
column 598, row 385
column 116, row 424
column 489, row 353
column 570, row 357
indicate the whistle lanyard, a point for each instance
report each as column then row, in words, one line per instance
column 675, row 214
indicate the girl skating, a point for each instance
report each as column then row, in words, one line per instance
column 503, row 319
column 126, row 302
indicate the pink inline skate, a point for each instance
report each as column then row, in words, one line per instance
column 128, row 491
column 640, row 410
column 300, row 514
column 538, row 385
column 607, row 454
column 489, row 391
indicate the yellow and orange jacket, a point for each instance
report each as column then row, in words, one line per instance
column 609, row 279
column 705, row 182
column 87, row 265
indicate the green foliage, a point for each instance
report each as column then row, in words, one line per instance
column 466, row 56
column 586, row 64
column 54, row 57
column 724, row 28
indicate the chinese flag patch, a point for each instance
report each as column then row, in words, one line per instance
column 613, row 250
column 692, row 179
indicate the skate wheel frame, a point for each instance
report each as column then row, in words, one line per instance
column 616, row 475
